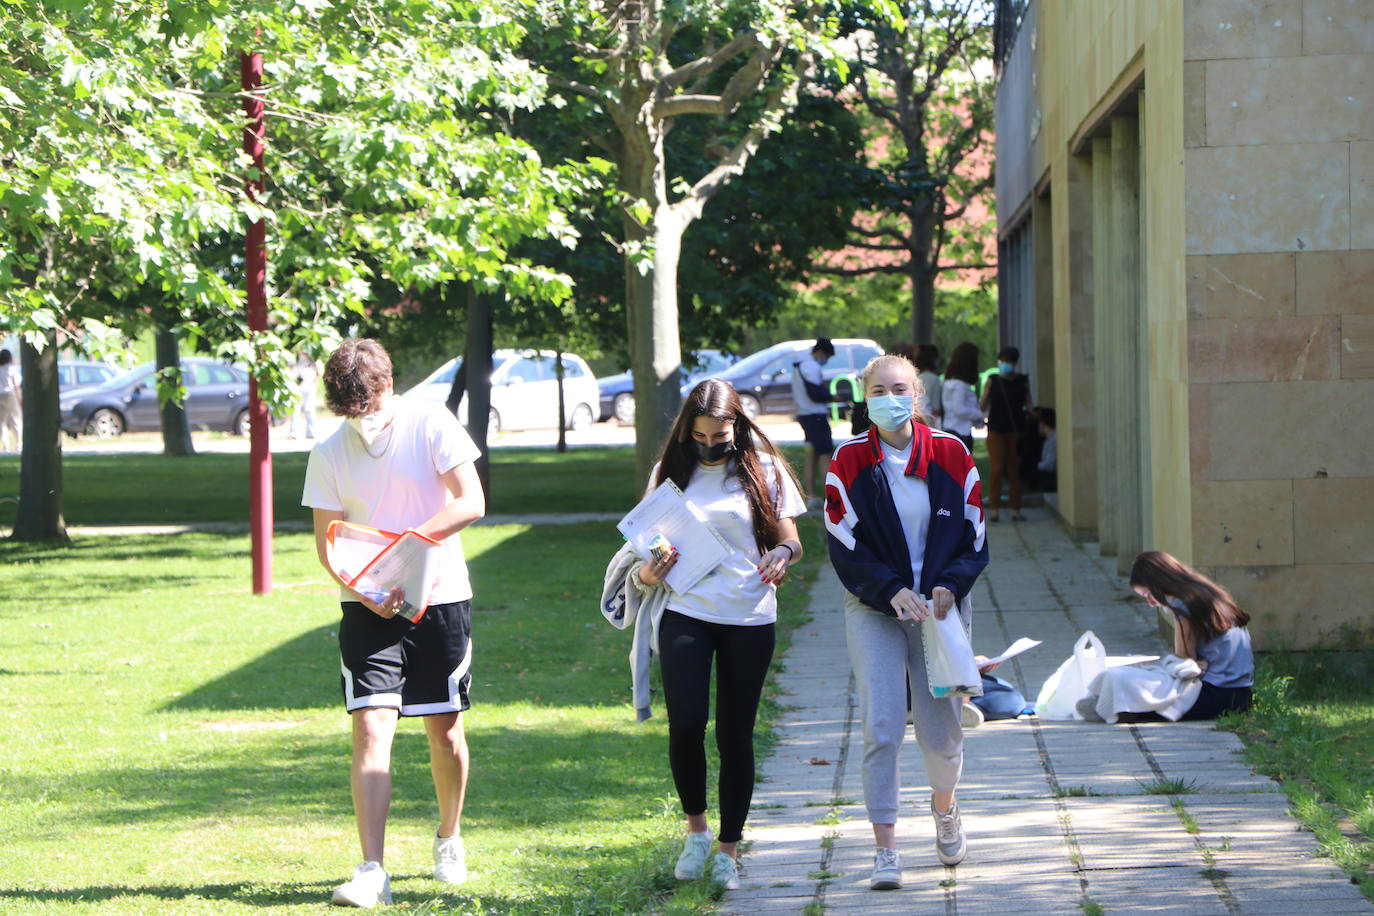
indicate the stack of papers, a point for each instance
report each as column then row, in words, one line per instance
column 374, row 563
column 665, row 511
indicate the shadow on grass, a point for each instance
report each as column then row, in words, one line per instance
column 302, row 673
column 250, row 894
column 563, row 775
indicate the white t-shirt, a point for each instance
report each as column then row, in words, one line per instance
column 807, row 369
column 733, row 593
column 396, row 484
column 912, row 499
column 9, row 380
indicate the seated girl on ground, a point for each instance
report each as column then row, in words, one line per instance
column 1209, row 627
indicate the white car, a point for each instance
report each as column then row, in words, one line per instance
column 524, row 390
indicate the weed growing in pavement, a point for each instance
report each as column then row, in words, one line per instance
column 1091, row 907
column 1075, row 792
column 1166, row 785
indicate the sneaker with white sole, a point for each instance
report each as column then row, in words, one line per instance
column 887, row 870
column 450, row 859
column 692, row 863
column 970, row 716
column 950, row 844
column 725, row 871
column 369, row 886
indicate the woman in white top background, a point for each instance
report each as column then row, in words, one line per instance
column 960, row 393
column 729, row 470
column 11, row 401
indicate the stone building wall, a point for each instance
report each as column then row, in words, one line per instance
column 1279, row 163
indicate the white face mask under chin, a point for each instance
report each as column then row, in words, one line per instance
column 371, row 427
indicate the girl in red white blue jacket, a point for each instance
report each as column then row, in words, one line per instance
column 904, row 517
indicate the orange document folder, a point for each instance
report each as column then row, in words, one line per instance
column 374, row 562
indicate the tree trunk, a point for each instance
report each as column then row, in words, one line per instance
column 922, row 303
column 562, row 401
column 40, row 467
column 460, row 378
column 477, row 363
column 176, row 427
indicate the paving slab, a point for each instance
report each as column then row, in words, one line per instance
column 1056, row 813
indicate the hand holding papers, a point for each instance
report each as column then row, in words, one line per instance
column 1011, row 651
column 665, row 514
column 376, row 563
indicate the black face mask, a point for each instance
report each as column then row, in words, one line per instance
column 712, row 453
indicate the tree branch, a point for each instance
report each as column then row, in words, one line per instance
column 859, row 271
column 704, row 66
column 747, row 80
column 978, row 266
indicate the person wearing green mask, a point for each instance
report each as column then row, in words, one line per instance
column 1006, row 402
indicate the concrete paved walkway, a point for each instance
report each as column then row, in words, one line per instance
column 1057, row 814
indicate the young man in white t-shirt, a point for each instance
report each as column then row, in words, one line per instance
column 813, row 413
column 396, row 465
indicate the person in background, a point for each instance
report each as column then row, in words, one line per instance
column 959, row 394
column 904, row 521
column 11, row 402
column 1047, row 468
column 927, row 360
column 305, row 374
column 728, row 469
column 1005, row 402
column 813, row 410
column 1209, row 627
column 397, row 464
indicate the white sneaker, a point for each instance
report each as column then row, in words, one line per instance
column 369, row 886
column 970, row 716
column 450, row 859
column 725, row 871
column 692, row 863
column 950, row 844
column 887, row 870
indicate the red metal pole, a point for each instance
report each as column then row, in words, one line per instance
column 260, row 456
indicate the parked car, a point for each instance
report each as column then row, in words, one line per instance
column 764, row 379
column 618, row 391
column 524, row 390
column 76, row 373
column 216, row 398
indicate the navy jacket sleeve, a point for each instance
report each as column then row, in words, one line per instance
column 860, row 571
column 965, row 554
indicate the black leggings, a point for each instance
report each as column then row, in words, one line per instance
column 686, row 646
column 1213, row 701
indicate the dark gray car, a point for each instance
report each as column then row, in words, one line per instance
column 216, row 398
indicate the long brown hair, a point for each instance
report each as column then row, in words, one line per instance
column 718, row 400
column 963, row 364
column 1210, row 609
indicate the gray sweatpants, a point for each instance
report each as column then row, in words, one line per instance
column 884, row 653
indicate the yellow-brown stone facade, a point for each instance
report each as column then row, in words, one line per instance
column 1256, row 282
column 1278, row 126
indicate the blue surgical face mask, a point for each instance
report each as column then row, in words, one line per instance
column 1006, row 368
column 890, row 411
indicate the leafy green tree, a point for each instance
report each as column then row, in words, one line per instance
column 636, row 69
column 928, row 85
column 383, row 164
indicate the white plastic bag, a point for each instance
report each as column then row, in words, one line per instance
column 950, row 668
column 1062, row 690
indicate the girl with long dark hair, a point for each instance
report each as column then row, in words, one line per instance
column 1209, row 627
column 743, row 488
column 959, row 394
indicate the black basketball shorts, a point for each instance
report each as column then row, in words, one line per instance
column 421, row 669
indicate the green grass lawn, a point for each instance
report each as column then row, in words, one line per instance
column 178, row 745
column 135, row 488
column 1312, row 728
